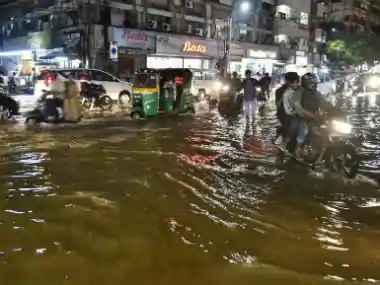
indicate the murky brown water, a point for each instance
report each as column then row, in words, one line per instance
column 182, row 201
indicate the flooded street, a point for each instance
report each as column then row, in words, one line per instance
column 184, row 200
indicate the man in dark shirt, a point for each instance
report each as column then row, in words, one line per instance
column 291, row 81
column 235, row 82
column 265, row 84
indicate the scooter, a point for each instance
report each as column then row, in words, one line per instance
column 334, row 151
column 49, row 110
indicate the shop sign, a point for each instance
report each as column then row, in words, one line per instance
column 133, row 39
column 262, row 54
column 185, row 45
column 191, row 47
column 39, row 40
column 71, row 40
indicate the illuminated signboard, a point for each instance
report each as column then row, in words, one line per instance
column 190, row 47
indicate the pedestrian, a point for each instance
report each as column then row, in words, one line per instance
column 249, row 86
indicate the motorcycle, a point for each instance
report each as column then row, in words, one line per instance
column 94, row 96
column 327, row 145
column 261, row 99
column 49, row 110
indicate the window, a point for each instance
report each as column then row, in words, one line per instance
column 143, row 80
column 210, row 75
column 101, row 76
column 304, row 18
column 69, row 73
column 282, row 15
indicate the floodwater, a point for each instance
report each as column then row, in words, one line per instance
column 183, row 200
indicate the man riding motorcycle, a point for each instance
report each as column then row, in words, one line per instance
column 306, row 102
column 291, row 83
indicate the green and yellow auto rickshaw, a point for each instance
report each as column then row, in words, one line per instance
column 161, row 91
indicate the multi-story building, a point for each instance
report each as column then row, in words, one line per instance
column 359, row 14
column 159, row 33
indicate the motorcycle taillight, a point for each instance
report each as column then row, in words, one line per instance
column 50, row 79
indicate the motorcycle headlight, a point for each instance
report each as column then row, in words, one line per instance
column 226, row 88
column 258, row 89
column 341, row 127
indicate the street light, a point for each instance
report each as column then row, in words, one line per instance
column 244, row 8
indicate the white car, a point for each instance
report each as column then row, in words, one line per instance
column 118, row 90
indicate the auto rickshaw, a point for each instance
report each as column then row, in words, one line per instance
column 161, row 91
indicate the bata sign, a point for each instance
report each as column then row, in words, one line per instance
column 190, row 47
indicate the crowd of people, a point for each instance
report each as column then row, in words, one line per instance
column 298, row 102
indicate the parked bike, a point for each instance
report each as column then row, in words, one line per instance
column 94, row 96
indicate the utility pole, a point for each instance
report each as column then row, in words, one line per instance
column 85, row 28
column 227, row 45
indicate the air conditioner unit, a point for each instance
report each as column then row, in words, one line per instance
column 189, row 5
column 152, row 24
column 166, row 27
column 199, row 32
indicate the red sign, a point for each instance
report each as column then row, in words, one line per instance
column 136, row 36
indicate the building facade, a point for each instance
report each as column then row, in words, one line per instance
column 273, row 36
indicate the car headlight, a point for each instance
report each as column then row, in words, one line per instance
column 341, row 127
column 374, row 82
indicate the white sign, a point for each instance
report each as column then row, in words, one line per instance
column 262, row 54
column 114, row 51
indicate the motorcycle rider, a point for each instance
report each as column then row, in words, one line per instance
column 306, row 102
column 12, row 83
column 265, row 82
column 291, row 83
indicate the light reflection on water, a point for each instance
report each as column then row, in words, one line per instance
column 193, row 201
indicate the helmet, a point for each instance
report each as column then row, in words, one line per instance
column 309, row 81
column 291, row 77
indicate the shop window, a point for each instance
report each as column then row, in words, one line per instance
column 192, row 63
column 164, row 62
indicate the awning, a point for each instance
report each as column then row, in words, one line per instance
column 55, row 54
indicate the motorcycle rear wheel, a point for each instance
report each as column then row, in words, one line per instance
column 105, row 103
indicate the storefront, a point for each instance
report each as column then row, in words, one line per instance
column 190, row 52
column 262, row 59
column 182, row 52
column 22, row 54
column 134, row 47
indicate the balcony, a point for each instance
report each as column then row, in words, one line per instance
column 290, row 28
column 300, row 6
